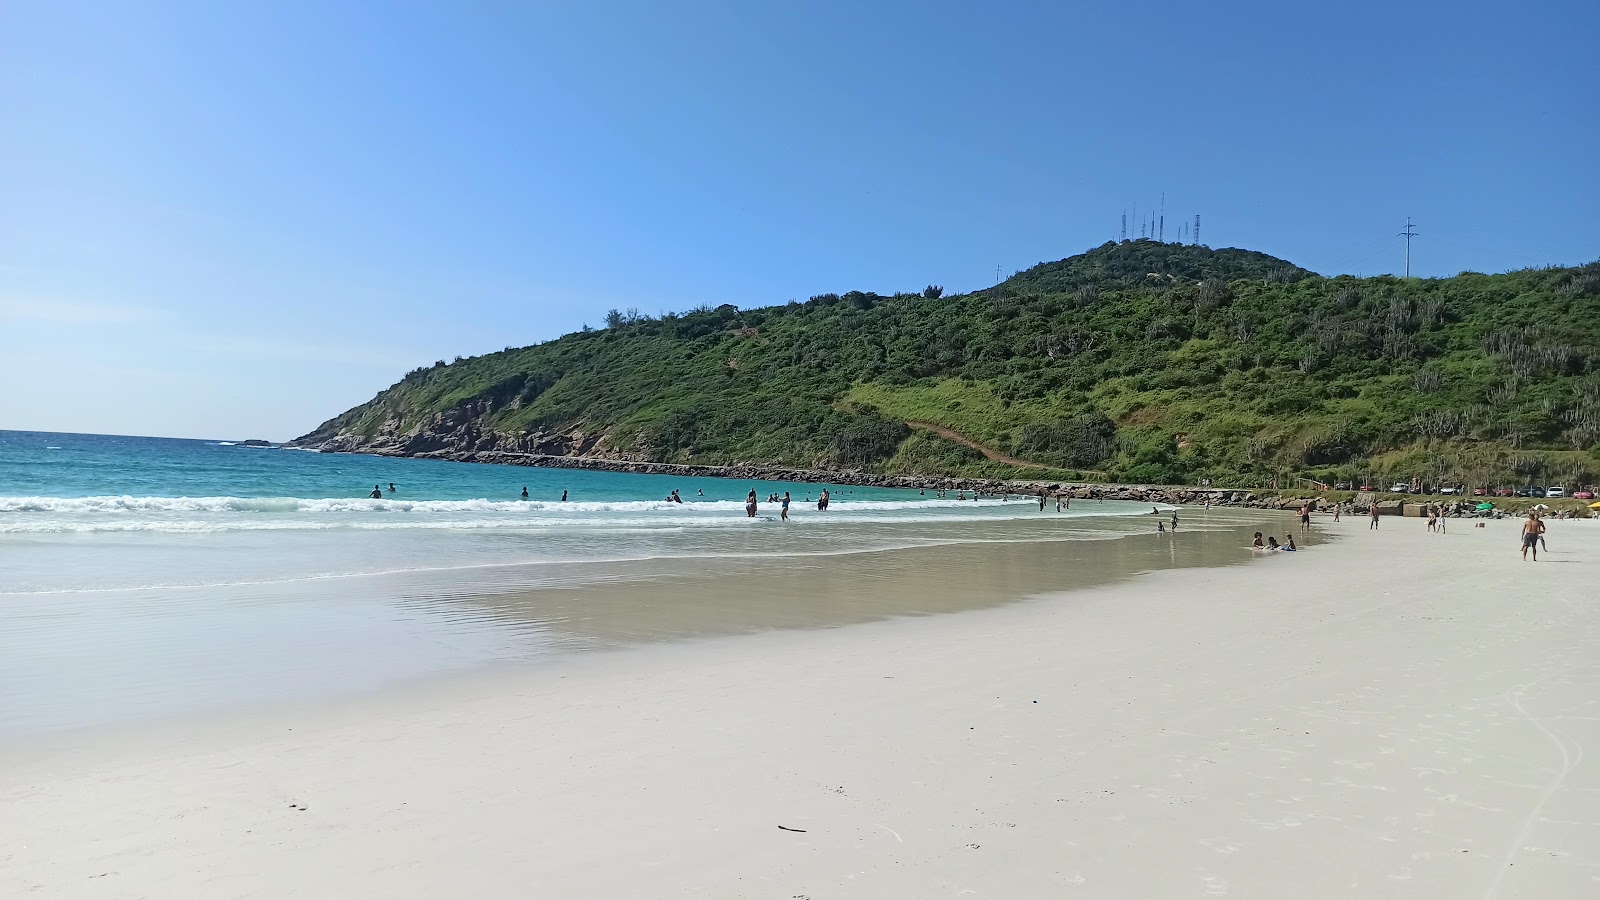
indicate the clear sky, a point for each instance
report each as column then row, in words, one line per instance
column 238, row 219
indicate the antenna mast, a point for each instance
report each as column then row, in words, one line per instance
column 1197, row 229
column 1162, row 228
column 1408, row 234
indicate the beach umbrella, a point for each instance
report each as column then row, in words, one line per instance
column 1595, row 505
column 1541, row 506
column 1485, row 506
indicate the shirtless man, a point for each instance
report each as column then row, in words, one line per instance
column 1531, row 528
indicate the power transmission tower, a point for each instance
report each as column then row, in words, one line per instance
column 1408, row 234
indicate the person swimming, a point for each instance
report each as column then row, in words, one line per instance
column 391, row 487
column 377, row 493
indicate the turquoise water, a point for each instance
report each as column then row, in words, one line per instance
column 42, row 474
column 99, row 512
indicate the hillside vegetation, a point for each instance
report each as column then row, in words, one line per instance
column 1137, row 361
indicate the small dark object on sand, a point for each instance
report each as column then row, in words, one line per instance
column 787, row 828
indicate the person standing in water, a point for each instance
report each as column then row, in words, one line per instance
column 391, row 487
column 377, row 493
column 750, row 505
column 784, row 512
column 563, row 496
column 822, row 500
column 524, row 492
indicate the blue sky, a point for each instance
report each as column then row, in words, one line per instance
column 238, row 219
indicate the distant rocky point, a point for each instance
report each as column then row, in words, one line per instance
column 255, row 442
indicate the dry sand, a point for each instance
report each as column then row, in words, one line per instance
column 1395, row 714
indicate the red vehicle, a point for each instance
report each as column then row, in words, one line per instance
column 1503, row 492
column 1365, row 487
column 1583, row 495
column 1477, row 492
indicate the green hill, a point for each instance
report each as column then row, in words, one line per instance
column 1136, row 361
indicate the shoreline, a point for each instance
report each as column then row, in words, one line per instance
column 304, row 638
column 1392, row 714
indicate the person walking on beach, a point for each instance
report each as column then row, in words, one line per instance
column 1531, row 529
column 783, row 513
column 1374, row 523
column 1336, row 508
column 1433, row 520
column 750, row 506
column 1539, row 517
column 1305, row 517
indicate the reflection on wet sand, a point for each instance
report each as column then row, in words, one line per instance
column 691, row 598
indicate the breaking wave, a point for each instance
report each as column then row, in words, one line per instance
column 205, row 514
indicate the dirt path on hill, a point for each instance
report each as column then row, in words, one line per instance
column 989, row 453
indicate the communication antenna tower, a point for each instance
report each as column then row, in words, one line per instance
column 1124, row 224
column 1197, row 229
column 1162, row 233
column 1408, row 234
column 997, row 273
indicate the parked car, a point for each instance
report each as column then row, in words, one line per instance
column 1583, row 495
column 1477, row 492
column 1400, row 487
column 1555, row 490
column 1529, row 492
column 1449, row 490
column 1342, row 486
column 1503, row 492
column 1367, row 487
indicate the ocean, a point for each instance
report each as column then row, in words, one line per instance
column 151, row 576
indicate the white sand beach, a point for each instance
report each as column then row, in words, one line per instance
column 1391, row 714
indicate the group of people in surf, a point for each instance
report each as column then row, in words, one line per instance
column 1272, row 543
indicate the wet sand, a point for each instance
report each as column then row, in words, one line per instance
column 90, row 658
column 1391, row 714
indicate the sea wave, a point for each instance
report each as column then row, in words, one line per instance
column 23, row 515
column 122, row 504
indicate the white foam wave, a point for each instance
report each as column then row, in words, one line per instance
column 23, row 515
